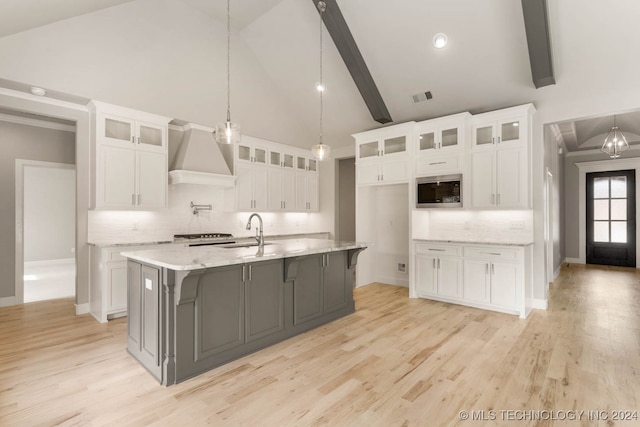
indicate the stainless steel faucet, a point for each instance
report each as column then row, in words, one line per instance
column 259, row 235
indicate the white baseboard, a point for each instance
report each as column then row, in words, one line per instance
column 50, row 262
column 7, row 301
column 540, row 304
column 573, row 260
column 82, row 308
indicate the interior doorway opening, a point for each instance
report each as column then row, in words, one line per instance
column 45, row 213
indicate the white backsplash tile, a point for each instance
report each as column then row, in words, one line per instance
column 471, row 225
column 178, row 218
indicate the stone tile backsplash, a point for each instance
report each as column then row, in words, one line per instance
column 178, row 218
column 470, row 225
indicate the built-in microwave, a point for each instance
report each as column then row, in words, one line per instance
column 444, row 191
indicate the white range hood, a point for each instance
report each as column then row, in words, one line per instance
column 200, row 159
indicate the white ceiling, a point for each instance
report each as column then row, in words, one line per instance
column 485, row 66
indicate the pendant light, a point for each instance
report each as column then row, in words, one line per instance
column 228, row 132
column 615, row 142
column 321, row 151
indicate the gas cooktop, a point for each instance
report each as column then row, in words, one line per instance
column 201, row 236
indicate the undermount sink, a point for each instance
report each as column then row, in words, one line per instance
column 242, row 245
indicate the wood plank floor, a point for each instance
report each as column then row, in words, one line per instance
column 395, row 362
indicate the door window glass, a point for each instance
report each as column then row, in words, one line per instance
column 610, row 209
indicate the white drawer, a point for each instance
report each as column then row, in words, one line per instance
column 493, row 252
column 438, row 249
column 429, row 166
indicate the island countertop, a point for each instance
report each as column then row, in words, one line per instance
column 198, row 257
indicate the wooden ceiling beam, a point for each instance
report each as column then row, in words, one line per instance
column 346, row 45
column 536, row 26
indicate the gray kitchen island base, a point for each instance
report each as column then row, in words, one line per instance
column 183, row 323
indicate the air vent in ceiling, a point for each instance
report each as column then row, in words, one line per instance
column 421, row 97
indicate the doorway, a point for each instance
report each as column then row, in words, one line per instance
column 45, row 211
column 610, row 218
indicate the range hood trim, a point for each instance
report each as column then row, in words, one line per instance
column 201, row 178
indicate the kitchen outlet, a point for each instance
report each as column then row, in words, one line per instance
column 516, row 225
column 402, row 267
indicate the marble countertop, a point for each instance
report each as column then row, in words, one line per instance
column 197, row 257
column 104, row 244
column 487, row 241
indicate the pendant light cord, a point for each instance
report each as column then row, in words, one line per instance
column 228, row 60
column 321, row 8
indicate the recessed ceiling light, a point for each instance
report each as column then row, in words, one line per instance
column 38, row 91
column 440, row 40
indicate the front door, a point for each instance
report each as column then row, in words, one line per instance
column 611, row 218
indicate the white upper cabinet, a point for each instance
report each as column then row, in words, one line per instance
column 272, row 177
column 382, row 155
column 306, row 183
column 440, row 145
column 130, row 149
column 442, row 134
column 500, row 159
column 502, row 128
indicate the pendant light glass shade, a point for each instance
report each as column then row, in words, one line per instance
column 228, row 132
column 615, row 143
column 321, row 151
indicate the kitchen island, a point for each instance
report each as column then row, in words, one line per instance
column 195, row 308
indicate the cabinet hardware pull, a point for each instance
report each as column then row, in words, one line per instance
column 438, row 263
column 133, row 139
column 133, row 200
column 498, row 140
column 491, row 253
column 381, row 177
column 138, row 200
column 493, row 139
column 138, row 140
column 434, row 263
column 249, row 272
column 493, row 270
column 486, row 269
column 244, row 267
column 437, row 163
column 383, row 152
column 326, row 257
column 439, row 250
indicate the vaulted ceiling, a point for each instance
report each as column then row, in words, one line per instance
column 485, row 65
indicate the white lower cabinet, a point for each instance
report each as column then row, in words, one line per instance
column 108, row 288
column 490, row 277
column 438, row 270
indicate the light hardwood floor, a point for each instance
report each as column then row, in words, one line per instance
column 395, row 362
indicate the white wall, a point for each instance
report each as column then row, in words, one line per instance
column 159, row 56
column 49, row 213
